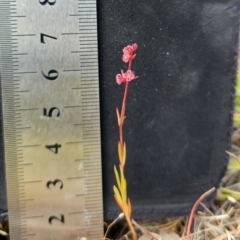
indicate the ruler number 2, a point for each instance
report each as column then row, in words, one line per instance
column 61, row 219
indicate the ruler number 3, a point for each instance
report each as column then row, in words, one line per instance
column 47, row 1
column 54, row 183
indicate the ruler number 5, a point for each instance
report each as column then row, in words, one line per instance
column 47, row 1
column 62, row 219
column 49, row 114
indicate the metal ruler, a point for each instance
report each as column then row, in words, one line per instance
column 50, row 95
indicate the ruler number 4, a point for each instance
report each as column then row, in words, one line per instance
column 47, row 1
column 54, row 148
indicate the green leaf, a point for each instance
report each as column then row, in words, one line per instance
column 117, row 176
column 230, row 192
column 117, row 194
column 124, row 191
column 122, row 178
column 234, row 165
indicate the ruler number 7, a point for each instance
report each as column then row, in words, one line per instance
column 45, row 35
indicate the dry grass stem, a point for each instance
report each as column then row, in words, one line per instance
column 144, row 230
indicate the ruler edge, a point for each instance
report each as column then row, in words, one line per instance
column 13, row 218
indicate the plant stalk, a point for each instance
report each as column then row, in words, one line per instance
column 131, row 227
column 122, row 117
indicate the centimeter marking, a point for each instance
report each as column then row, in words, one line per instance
column 50, row 96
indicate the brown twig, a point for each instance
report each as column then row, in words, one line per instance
column 112, row 223
column 233, row 155
column 143, row 229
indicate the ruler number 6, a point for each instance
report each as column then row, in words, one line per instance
column 52, row 75
column 47, row 1
column 61, row 219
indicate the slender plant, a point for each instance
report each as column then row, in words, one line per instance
column 120, row 191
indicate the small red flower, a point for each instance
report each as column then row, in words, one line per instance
column 129, row 75
column 120, row 78
column 125, row 77
column 128, row 52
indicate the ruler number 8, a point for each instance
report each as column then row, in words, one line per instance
column 47, row 1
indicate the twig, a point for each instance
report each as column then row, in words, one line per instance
column 111, row 224
column 3, row 233
column 233, row 155
column 144, row 230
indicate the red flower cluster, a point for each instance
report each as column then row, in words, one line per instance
column 128, row 56
column 125, row 77
column 128, row 52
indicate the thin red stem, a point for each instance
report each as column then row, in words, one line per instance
column 123, row 112
column 122, row 116
column 130, row 65
column 194, row 208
